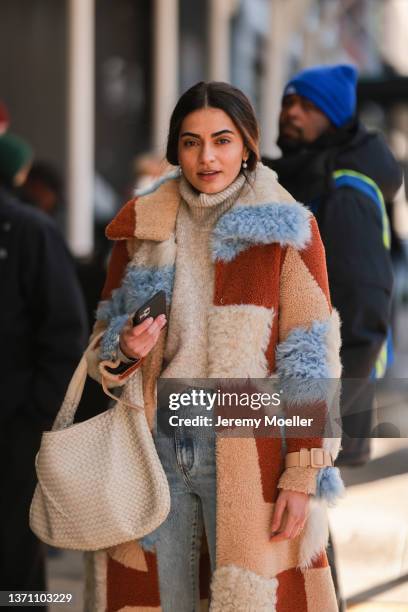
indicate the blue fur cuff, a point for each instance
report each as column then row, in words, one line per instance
column 110, row 339
column 329, row 485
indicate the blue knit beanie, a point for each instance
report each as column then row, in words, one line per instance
column 331, row 88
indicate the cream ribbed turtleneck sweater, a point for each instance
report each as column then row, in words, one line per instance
column 185, row 353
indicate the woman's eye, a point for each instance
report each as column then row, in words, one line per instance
column 189, row 143
column 223, row 141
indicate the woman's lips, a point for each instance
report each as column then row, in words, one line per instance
column 208, row 176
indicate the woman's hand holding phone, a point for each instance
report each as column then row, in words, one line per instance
column 137, row 342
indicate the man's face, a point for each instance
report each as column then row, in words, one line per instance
column 301, row 121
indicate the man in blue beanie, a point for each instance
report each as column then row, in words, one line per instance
column 343, row 173
column 331, row 89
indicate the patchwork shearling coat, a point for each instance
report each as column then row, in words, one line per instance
column 270, row 315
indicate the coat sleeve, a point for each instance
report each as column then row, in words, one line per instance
column 307, row 359
column 103, row 359
column 57, row 313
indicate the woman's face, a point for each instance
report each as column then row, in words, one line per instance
column 210, row 150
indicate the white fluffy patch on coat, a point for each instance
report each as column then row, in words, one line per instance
column 333, row 444
column 151, row 253
column 333, row 345
column 238, row 338
column 333, row 441
column 238, row 589
column 266, row 188
column 95, row 581
column 315, row 534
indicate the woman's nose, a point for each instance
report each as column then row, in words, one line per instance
column 207, row 153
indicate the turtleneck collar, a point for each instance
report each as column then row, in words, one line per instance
column 196, row 199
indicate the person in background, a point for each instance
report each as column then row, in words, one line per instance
column 343, row 173
column 42, row 331
column 43, row 188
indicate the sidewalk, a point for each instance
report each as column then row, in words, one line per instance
column 370, row 525
column 65, row 575
column 370, row 531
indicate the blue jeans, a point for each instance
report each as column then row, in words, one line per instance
column 188, row 459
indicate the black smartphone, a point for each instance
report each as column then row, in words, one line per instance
column 154, row 307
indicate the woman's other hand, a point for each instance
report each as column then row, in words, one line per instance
column 289, row 526
column 137, row 342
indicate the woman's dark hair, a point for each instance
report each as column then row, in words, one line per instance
column 216, row 95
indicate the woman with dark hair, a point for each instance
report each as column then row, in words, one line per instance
column 244, row 272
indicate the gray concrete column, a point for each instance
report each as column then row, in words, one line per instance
column 81, row 126
column 166, row 69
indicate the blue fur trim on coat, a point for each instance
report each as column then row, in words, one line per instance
column 329, row 485
column 304, row 352
column 302, row 364
column 142, row 282
column 110, row 339
column 156, row 184
column 139, row 284
column 245, row 226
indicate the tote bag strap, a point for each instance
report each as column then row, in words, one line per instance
column 69, row 406
column 119, row 399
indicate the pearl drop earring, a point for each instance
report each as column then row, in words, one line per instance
column 244, row 164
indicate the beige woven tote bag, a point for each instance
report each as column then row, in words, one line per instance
column 100, row 482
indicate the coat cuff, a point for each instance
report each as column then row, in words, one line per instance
column 301, row 479
column 117, row 379
column 97, row 366
column 324, row 483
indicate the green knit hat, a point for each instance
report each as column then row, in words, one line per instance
column 15, row 153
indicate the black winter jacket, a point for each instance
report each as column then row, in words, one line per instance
column 359, row 267
column 358, row 264
column 42, row 316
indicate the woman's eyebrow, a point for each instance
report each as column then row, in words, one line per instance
column 221, row 132
column 190, row 134
column 214, row 135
